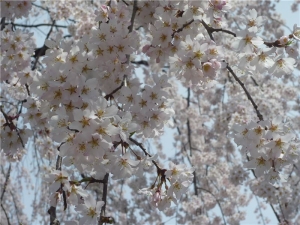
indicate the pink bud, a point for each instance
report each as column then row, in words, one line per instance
column 156, row 197
column 146, row 48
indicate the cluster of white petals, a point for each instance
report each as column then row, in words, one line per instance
column 80, row 103
column 268, row 145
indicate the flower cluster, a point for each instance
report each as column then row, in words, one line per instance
column 17, row 48
column 59, row 183
column 15, row 9
column 260, row 56
column 13, row 140
column 269, row 146
column 191, row 61
column 179, row 176
column 82, row 97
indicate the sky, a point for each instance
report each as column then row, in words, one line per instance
column 291, row 18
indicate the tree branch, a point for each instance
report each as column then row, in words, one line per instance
column 3, row 191
column 259, row 115
column 104, row 197
column 53, row 220
column 134, row 10
column 183, row 26
column 42, row 51
column 110, row 95
column 6, row 215
column 2, row 23
column 6, row 182
column 38, row 25
column 145, row 151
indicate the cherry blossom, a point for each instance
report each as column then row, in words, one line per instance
column 90, row 209
column 85, row 107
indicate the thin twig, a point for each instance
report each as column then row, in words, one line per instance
column 145, row 151
column 6, row 182
column 254, row 81
column 125, row 3
column 276, row 214
column 110, row 95
column 218, row 202
column 183, row 26
column 41, row 7
column 38, row 25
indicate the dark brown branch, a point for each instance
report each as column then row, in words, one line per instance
column 27, row 89
column 194, row 173
column 104, row 197
column 211, row 30
column 145, row 151
column 6, row 182
column 125, row 3
column 42, row 51
column 90, row 180
column 259, row 115
column 58, row 162
column 141, row 62
column 208, row 29
column 140, row 145
column 2, row 23
column 38, row 25
column 65, row 200
column 7, row 218
column 51, row 28
column 134, row 10
column 41, row 7
column 274, row 44
column 189, row 133
column 110, row 96
column 276, row 214
column 10, row 123
column 254, row 81
column 224, row 31
column 181, row 28
column 52, row 213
